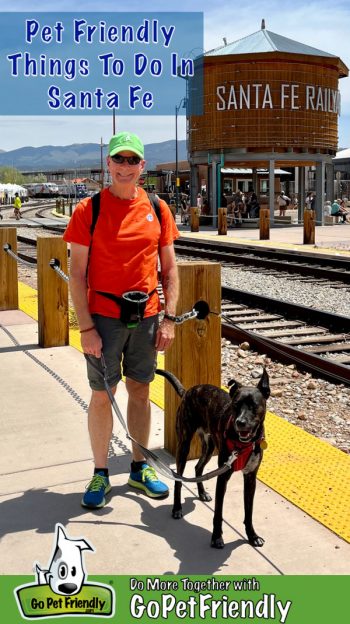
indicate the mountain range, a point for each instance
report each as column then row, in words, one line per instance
column 49, row 157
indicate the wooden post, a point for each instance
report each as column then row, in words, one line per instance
column 309, row 227
column 53, row 315
column 264, row 224
column 194, row 219
column 8, row 271
column 195, row 355
column 222, row 221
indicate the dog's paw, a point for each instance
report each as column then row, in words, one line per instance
column 177, row 513
column 256, row 541
column 204, row 496
column 217, row 542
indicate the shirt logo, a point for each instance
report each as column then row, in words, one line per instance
column 149, row 217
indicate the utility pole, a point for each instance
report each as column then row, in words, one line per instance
column 177, row 180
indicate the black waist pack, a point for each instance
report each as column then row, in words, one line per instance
column 132, row 305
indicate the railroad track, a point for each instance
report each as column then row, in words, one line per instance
column 316, row 341
column 27, row 209
column 317, row 268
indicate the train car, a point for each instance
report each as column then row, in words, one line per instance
column 72, row 190
column 42, row 189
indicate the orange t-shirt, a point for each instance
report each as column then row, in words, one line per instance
column 124, row 250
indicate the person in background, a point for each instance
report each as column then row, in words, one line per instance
column 313, row 201
column 121, row 257
column 185, row 209
column 17, row 205
column 253, row 206
column 205, row 207
column 308, row 200
column 283, row 202
column 339, row 210
column 199, row 202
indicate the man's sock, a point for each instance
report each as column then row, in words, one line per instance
column 136, row 466
column 104, row 471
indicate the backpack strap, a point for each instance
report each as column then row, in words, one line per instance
column 96, row 202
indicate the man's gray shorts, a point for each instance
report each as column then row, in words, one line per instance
column 130, row 350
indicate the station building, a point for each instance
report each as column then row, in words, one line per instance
column 268, row 103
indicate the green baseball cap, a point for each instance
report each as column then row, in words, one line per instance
column 125, row 141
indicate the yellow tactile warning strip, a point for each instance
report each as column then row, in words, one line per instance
column 28, row 300
column 310, row 473
column 59, row 215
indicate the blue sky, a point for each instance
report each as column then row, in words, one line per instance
column 322, row 24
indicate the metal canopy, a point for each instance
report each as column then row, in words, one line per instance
column 266, row 41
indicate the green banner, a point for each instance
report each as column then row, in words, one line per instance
column 198, row 599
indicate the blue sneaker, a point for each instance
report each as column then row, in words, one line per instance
column 146, row 479
column 94, row 497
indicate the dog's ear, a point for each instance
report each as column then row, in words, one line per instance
column 264, row 385
column 234, row 387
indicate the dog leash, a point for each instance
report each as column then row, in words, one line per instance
column 163, row 468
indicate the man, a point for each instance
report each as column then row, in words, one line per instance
column 17, row 205
column 122, row 256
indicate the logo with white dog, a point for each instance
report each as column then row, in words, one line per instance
column 61, row 589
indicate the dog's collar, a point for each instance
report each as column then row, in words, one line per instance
column 243, row 451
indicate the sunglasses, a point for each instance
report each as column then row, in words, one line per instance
column 131, row 160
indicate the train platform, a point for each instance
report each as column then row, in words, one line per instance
column 301, row 505
column 333, row 239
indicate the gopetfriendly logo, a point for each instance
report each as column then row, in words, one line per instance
column 61, row 590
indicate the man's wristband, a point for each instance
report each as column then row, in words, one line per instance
column 83, row 331
column 170, row 317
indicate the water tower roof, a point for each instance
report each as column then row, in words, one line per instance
column 266, row 41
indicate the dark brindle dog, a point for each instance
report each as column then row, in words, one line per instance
column 228, row 422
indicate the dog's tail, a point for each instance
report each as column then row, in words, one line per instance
column 176, row 384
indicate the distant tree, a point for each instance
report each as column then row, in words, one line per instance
column 11, row 175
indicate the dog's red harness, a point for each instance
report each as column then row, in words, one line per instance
column 243, row 450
